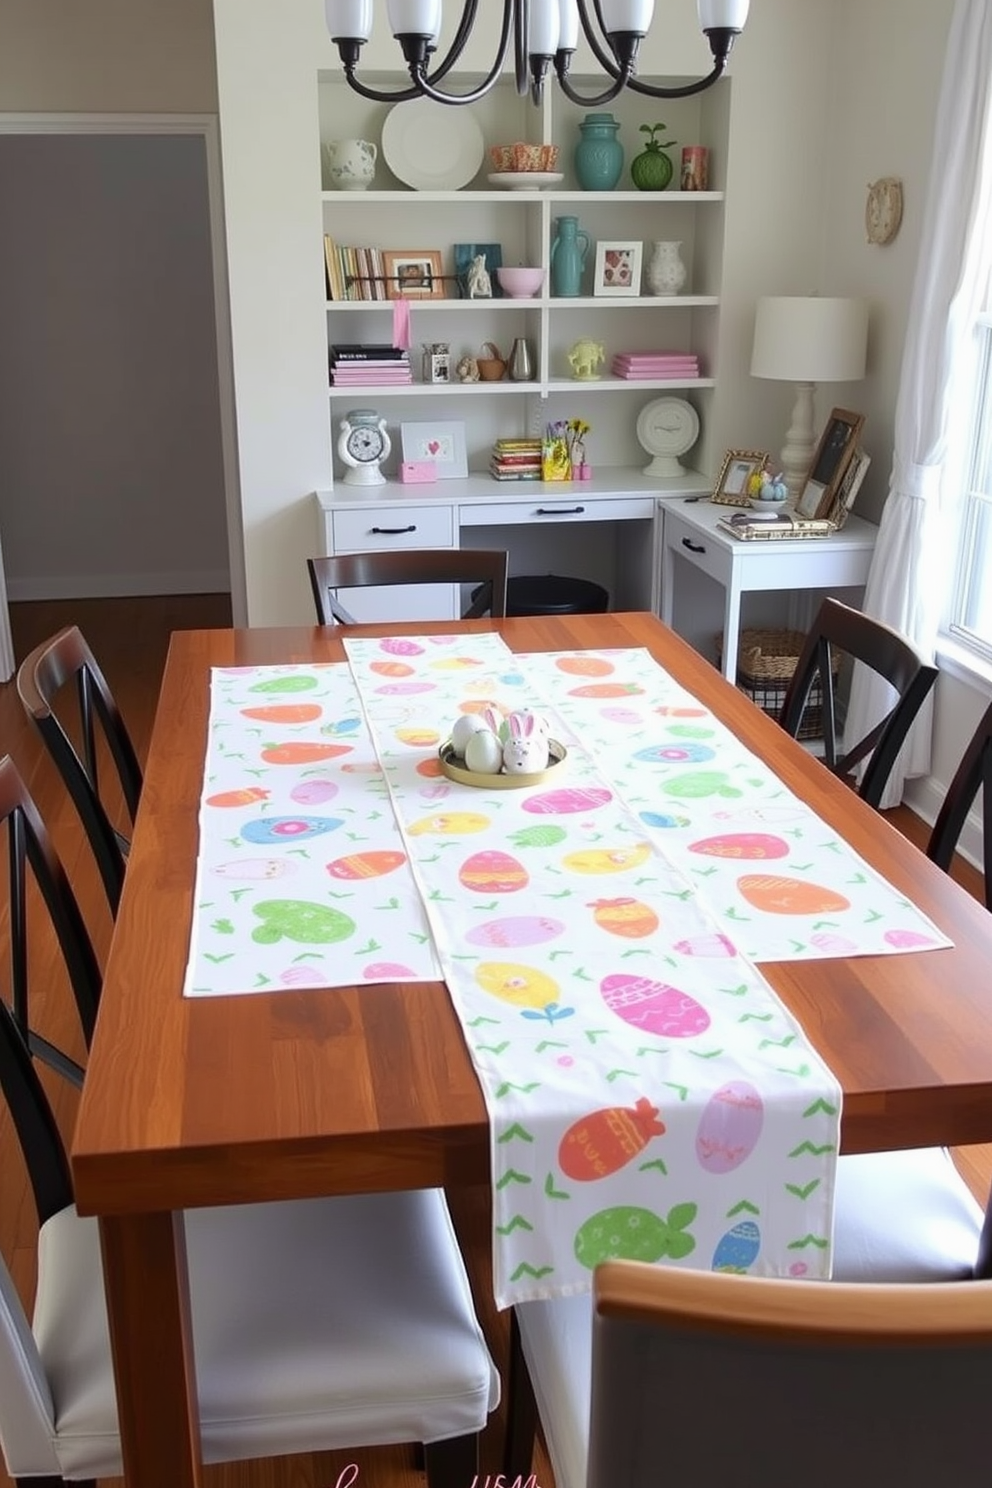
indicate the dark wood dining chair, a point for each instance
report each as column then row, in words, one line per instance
column 720, row 1378
column 840, row 630
column 77, row 736
column 973, row 774
column 484, row 567
column 29, row 848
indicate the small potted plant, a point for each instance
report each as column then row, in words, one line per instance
column 652, row 170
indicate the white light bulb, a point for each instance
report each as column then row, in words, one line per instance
column 568, row 27
column 727, row 15
column 542, row 28
column 351, row 19
column 627, row 15
column 414, row 17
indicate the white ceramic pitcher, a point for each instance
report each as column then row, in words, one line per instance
column 350, row 164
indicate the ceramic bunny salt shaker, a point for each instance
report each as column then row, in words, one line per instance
column 526, row 750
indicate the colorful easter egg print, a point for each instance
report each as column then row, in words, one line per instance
column 493, row 872
column 513, row 679
column 397, row 646
column 479, row 705
column 625, row 917
column 908, row 939
column 517, row 930
column 620, row 715
column 299, row 976
column 607, row 690
column 689, row 731
column 607, row 859
column 777, row 894
column 701, row 783
column 662, row 819
column 388, row 971
column 455, row 663
column 676, row 754
column 418, row 738
column 624, row 1233
column 436, row 792
column 538, row 836
column 667, row 710
column 285, row 713
column 833, row 944
column 706, row 945
column 373, row 864
column 361, row 767
column 314, row 792
column 521, row 986
column 585, row 666
column 252, row 869
column 738, row 1250
column 341, row 727
column 431, row 768
column 729, row 1127
column 285, row 684
column 741, row 845
column 405, row 689
column 247, row 796
column 296, row 752
column 286, row 829
column 605, row 1141
column 566, row 802
column 299, row 920
column 451, row 824
column 391, row 668
column 654, row 1007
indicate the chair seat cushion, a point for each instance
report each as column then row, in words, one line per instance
column 317, row 1324
column 899, row 1216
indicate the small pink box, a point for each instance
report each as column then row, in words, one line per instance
column 418, row 472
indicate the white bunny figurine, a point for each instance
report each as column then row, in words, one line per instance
column 526, row 750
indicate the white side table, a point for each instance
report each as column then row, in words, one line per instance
column 691, row 536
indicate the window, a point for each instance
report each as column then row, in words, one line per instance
column 969, row 617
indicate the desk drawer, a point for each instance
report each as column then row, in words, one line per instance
column 697, row 548
column 548, row 510
column 371, row 529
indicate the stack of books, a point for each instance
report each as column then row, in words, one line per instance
column 354, row 273
column 783, row 525
column 366, row 364
column 656, row 365
column 516, row 459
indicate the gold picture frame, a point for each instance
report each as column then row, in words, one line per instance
column 831, row 458
column 413, row 273
column 737, row 469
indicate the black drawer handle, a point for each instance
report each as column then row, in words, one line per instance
column 567, row 511
column 394, row 531
column 687, row 542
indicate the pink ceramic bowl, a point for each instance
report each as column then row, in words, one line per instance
column 520, row 283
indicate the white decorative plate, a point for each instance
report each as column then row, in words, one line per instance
column 524, row 180
column 431, row 146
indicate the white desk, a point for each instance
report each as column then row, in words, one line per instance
column 691, row 536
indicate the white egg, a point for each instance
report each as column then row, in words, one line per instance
column 462, row 730
column 484, row 753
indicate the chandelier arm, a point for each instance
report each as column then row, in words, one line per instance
column 561, row 71
column 685, row 91
column 605, row 59
column 423, row 83
column 521, row 30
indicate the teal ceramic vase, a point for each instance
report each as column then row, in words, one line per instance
column 599, row 153
column 568, row 256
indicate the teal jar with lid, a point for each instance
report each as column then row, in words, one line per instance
column 599, row 153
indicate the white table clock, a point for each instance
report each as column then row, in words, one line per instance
column 363, row 444
column 666, row 429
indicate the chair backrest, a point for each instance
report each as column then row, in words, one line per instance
column 485, row 567
column 840, row 629
column 703, row 1377
column 28, row 845
column 973, row 774
column 50, row 667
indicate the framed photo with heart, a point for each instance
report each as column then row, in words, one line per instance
column 444, row 443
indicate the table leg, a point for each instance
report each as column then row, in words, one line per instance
column 144, row 1266
column 731, row 625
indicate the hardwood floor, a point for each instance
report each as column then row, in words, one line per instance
column 130, row 639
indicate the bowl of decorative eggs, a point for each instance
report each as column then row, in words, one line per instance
column 495, row 753
column 767, row 494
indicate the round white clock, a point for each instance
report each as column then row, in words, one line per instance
column 363, row 444
column 666, row 428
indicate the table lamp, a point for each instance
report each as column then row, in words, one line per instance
column 807, row 340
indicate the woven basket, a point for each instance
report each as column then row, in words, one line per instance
column 766, row 660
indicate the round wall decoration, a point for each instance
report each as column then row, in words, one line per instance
column 883, row 209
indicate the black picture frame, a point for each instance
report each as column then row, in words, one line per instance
column 832, row 456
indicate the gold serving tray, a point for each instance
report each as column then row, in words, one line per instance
column 455, row 771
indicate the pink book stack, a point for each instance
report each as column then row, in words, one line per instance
column 369, row 366
column 657, row 366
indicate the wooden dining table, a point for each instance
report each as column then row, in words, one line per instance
column 226, row 1100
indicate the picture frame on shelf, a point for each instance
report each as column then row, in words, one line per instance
column 413, row 273
column 738, row 467
column 831, row 458
column 618, row 268
column 440, row 440
column 849, row 487
column 464, row 253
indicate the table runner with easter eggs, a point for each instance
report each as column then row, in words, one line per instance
column 648, row 1094
column 783, row 885
column 302, row 880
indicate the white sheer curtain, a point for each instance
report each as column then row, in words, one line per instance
column 911, row 567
